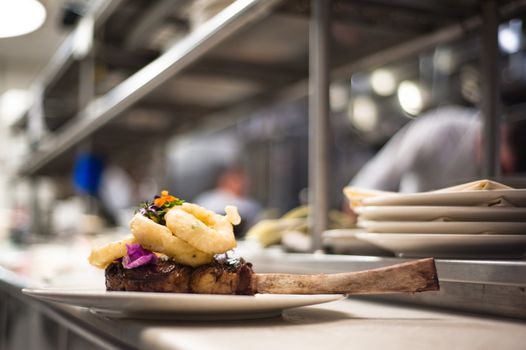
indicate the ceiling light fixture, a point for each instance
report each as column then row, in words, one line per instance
column 20, row 17
column 363, row 113
column 411, row 97
column 383, row 82
column 510, row 37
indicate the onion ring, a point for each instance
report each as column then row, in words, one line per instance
column 105, row 255
column 205, row 230
column 158, row 238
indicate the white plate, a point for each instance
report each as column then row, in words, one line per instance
column 509, row 198
column 451, row 227
column 345, row 241
column 179, row 305
column 422, row 213
column 449, row 246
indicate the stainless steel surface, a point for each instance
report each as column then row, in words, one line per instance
column 481, row 286
column 35, row 115
column 87, row 79
column 36, row 220
column 33, row 318
column 498, row 272
column 490, row 101
column 505, row 273
column 53, row 149
column 319, row 127
column 408, row 48
column 414, row 46
column 330, row 326
column 99, row 11
column 479, row 298
column 63, row 58
column 107, row 107
column 58, row 64
column 141, row 32
column 102, row 9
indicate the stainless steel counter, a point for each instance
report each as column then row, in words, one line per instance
column 337, row 325
column 494, row 287
column 484, row 287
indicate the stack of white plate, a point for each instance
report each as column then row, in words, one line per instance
column 347, row 241
column 460, row 222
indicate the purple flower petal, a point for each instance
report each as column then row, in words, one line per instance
column 137, row 256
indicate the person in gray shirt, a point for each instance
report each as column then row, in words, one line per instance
column 439, row 149
column 231, row 189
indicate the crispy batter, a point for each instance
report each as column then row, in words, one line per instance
column 158, row 238
column 201, row 228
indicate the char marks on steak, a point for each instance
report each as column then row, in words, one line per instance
column 220, row 277
column 223, row 278
column 164, row 276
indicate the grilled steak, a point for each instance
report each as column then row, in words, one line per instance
column 221, row 277
column 165, row 276
column 235, row 276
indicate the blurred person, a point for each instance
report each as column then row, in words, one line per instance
column 440, row 148
column 88, row 173
column 230, row 189
column 20, row 224
column 116, row 193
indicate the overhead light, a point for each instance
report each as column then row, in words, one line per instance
column 83, row 37
column 19, row 17
column 13, row 103
column 508, row 40
column 510, row 35
column 363, row 113
column 411, row 97
column 383, row 82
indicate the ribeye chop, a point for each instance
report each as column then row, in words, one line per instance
column 221, row 277
column 235, row 276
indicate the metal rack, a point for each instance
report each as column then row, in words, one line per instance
column 98, row 118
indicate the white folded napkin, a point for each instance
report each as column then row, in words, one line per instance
column 356, row 195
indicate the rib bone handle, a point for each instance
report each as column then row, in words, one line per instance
column 413, row 276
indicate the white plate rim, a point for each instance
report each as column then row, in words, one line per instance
column 409, row 235
column 471, row 196
column 449, row 227
column 435, row 213
column 433, row 244
column 222, row 304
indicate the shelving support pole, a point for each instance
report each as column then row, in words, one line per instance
column 86, row 55
column 490, row 104
column 319, row 126
column 86, row 80
column 36, row 131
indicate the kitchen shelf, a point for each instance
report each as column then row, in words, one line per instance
column 104, row 109
column 220, row 50
column 251, row 54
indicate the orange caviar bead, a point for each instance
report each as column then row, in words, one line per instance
column 165, row 197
